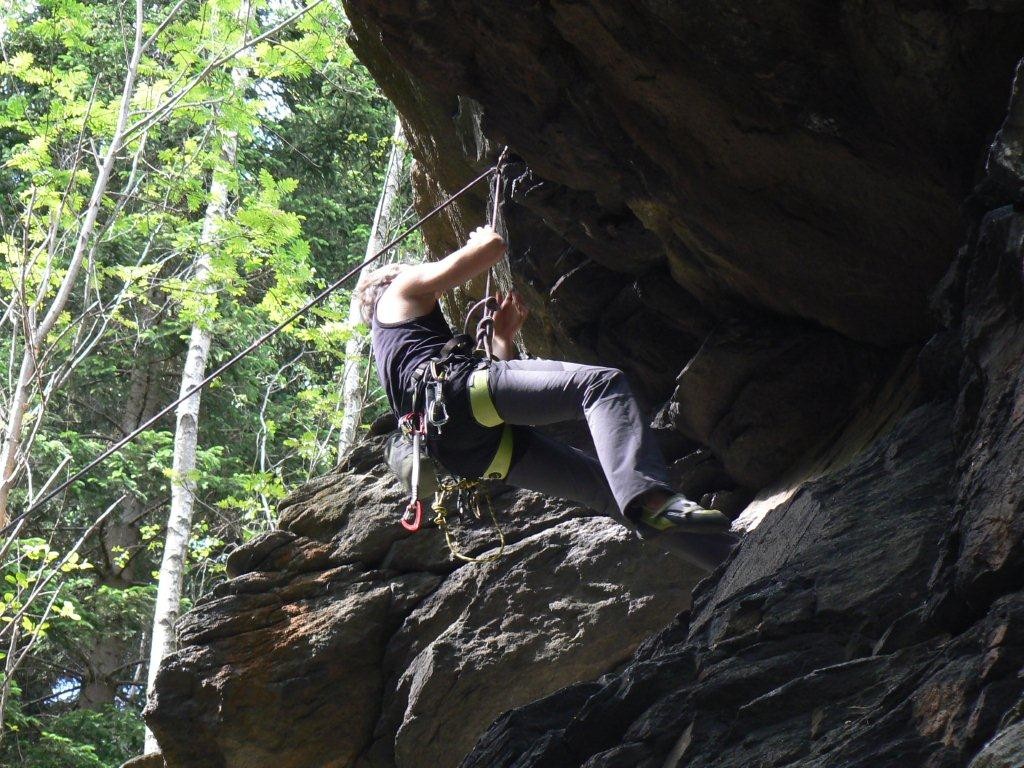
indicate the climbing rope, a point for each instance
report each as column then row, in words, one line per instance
column 469, row 496
column 15, row 521
column 488, row 305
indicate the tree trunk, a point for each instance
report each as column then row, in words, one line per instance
column 353, row 394
column 36, row 337
column 183, row 482
column 108, row 656
column 15, row 426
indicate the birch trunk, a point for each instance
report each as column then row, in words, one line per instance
column 11, row 447
column 353, row 393
column 186, row 433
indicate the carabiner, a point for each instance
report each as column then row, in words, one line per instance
column 413, row 516
column 437, row 412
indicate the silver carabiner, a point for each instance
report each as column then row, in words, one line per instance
column 437, row 412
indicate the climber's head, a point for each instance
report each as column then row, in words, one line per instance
column 372, row 284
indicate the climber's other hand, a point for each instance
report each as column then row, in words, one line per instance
column 510, row 315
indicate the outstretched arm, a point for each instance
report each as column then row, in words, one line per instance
column 416, row 289
column 484, row 249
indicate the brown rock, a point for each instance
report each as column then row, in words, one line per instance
column 287, row 678
column 565, row 605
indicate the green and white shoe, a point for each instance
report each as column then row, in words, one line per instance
column 685, row 516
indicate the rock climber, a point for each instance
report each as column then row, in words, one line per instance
column 400, row 303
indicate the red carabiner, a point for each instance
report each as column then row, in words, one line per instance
column 415, row 509
column 413, row 423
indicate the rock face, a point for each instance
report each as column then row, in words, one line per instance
column 807, row 158
column 342, row 640
column 776, row 187
column 769, row 216
column 876, row 618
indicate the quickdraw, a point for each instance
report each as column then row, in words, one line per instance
column 414, row 426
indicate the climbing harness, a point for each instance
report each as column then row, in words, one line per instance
column 231, row 362
column 406, row 450
column 429, row 411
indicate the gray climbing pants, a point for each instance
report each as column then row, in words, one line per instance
column 629, row 462
column 539, row 392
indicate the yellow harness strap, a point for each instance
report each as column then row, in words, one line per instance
column 480, row 400
column 499, row 466
column 486, row 415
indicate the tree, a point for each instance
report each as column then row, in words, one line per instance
column 186, row 434
column 353, row 388
column 35, row 330
column 312, row 137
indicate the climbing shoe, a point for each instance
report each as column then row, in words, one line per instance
column 679, row 514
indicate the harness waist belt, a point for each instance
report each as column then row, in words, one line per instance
column 484, row 413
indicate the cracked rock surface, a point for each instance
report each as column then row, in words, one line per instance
column 343, row 640
column 799, row 228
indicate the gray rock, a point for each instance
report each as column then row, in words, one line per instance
column 804, row 160
column 1006, row 750
column 354, row 515
column 761, row 397
column 876, row 617
column 292, row 661
column 1004, row 166
column 565, row 605
column 780, row 644
column 151, row 760
column 987, row 539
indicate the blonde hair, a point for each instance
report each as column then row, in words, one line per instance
column 372, row 284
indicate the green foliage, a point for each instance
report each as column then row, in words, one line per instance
column 74, row 739
column 313, row 136
column 36, row 594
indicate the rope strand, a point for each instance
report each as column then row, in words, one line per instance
column 241, row 355
column 485, row 328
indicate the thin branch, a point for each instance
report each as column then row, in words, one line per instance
column 56, row 569
column 161, row 111
column 163, row 25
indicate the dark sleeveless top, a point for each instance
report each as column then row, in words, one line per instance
column 463, row 446
column 400, row 348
